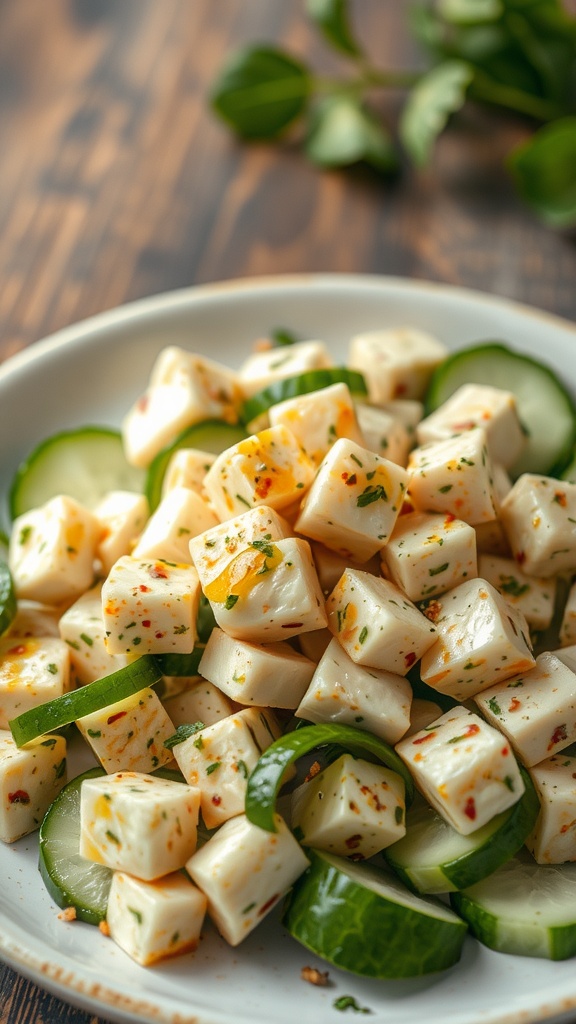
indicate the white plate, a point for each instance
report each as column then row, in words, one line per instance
column 90, row 373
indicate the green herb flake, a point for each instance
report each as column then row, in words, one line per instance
column 445, row 488
column 52, row 669
column 183, row 732
column 230, row 601
column 112, row 837
column 438, row 569
column 87, row 639
column 136, row 914
column 494, row 706
column 374, row 492
column 349, row 1003
column 213, row 767
column 363, row 634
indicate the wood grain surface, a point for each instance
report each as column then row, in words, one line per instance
column 117, row 182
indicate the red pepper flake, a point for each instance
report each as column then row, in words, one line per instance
column 19, row 797
column 470, row 808
column 560, row 498
column 292, row 625
column 353, row 842
column 114, row 718
column 159, row 635
column 514, row 704
column 147, row 623
column 423, row 739
column 505, row 751
column 352, row 479
column 157, row 572
column 558, row 736
column 407, row 507
column 399, row 390
column 143, row 403
column 216, row 800
column 409, row 659
column 449, row 518
column 269, row 904
column 20, row 649
column 263, row 487
column 144, row 589
column 521, row 557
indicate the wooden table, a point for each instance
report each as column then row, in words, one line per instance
column 117, row 182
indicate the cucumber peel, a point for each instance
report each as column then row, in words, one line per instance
column 433, row 857
column 71, row 880
column 266, row 779
column 545, row 407
column 301, row 384
column 365, row 921
column 85, row 464
column 69, row 707
column 213, row 436
column 523, row 908
column 8, row 603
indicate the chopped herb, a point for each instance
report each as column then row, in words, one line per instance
column 510, row 585
column 52, row 668
column 243, row 501
column 399, row 815
column 94, row 734
column 49, row 742
column 136, row 914
column 356, row 460
column 24, row 534
column 230, row 601
column 438, row 569
column 113, row 838
column 87, row 639
column 60, row 768
column 248, row 908
column 179, row 630
column 445, row 489
column 349, row 1003
column 374, row 492
column 213, row 767
column 494, row 706
column 363, row 634
column 183, row 732
column 242, row 768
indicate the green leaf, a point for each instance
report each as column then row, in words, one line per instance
column 544, row 171
column 343, row 132
column 438, row 94
column 332, row 17
column 260, row 92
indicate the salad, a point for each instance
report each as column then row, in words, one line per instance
column 370, row 569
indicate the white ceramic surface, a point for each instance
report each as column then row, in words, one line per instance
column 90, row 373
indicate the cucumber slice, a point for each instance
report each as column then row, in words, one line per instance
column 545, row 407
column 569, row 472
column 213, row 436
column 365, row 921
column 181, row 664
column 71, row 880
column 524, row 908
column 54, row 714
column 267, row 776
column 302, row 384
column 432, row 857
column 7, row 598
column 84, row 464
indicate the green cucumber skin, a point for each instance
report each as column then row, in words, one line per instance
column 342, row 922
column 471, row 867
column 67, row 805
column 210, row 435
column 8, row 603
column 301, row 384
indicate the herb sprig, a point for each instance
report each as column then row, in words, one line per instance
column 516, row 55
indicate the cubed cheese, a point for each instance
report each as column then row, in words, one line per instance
column 263, row 368
column 272, row 675
column 150, row 607
column 318, row 419
column 539, row 517
column 428, row 554
column 199, row 701
column 152, row 921
column 454, row 476
column 352, row 808
column 122, row 516
column 269, row 468
column 354, row 501
column 184, row 389
column 215, row 550
column 464, row 768
column 181, row 515
column 481, row 640
column 187, row 467
column 534, row 597
column 52, row 551
column 552, row 838
column 129, row 735
column 376, row 625
column 134, row 822
column 244, row 871
column 398, row 362
column 384, row 433
column 536, row 709
column 367, row 698
column 30, row 779
column 479, row 405
column 330, row 565
column 567, row 634
column 82, row 629
column 32, row 671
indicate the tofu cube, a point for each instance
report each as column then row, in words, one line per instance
column 129, row 735
column 32, row 671
column 539, row 517
column 183, row 389
column 534, row 597
column 536, row 709
column 187, row 467
column 219, row 758
column 409, row 411
column 122, row 516
column 263, row 368
column 272, row 675
column 30, row 779
column 481, row 641
column 200, row 701
column 150, row 606
column 318, row 419
column 384, row 433
column 552, row 839
column 376, row 625
column 479, row 405
column 269, row 591
column 134, row 822
column 33, row 620
column 366, row 698
column 463, row 768
column 152, row 921
column 82, row 629
column 428, row 554
column 245, row 871
column 330, row 565
column 215, row 550
column 422, row 714
column 52, row 551
column 454, row 476
column 269, row 468
column 567, row 635
column 354, row 501
column 181, row 515
column 352, row 808
column 399, row 361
